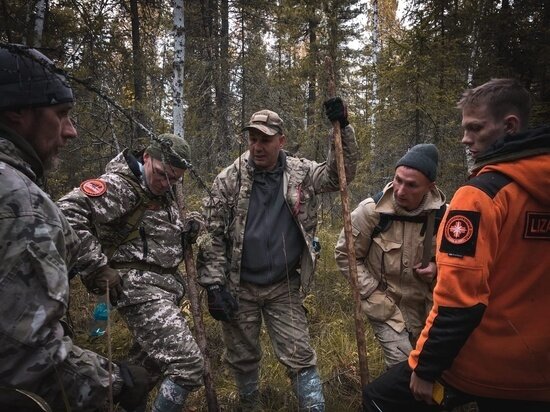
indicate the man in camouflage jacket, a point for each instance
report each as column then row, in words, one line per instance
column 130, row 226
column 37, row 251
column 258, row 257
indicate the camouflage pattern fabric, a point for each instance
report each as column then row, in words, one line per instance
column 391, row 293
column 220, row 251
column 162, row 333
column 96, row 220
column 281, row 307
column 38, row 248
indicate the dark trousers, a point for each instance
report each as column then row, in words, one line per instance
column 390, row 393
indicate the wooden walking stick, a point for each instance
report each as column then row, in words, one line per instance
column 196, row 312
column 200, row 335
column 358, row 315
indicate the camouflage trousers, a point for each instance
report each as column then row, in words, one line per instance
column 81, row 381
column 281, row 307
column 162, row 334
column 395, row 345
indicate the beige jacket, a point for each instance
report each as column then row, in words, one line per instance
column 389, row 289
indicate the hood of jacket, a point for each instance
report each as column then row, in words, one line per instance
column 18, row 153
column 525, row 158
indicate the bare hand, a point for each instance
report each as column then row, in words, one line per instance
column 428, row 273
column 421, row 390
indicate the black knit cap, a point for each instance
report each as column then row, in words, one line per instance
column 422, row 157
column 29, row 79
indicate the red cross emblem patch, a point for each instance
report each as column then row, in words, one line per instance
column 460, row 233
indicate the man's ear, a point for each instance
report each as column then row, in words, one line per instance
column 511, row 124
column 282, row 140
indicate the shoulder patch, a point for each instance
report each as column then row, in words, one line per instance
column 460, row 233
column 93, row 187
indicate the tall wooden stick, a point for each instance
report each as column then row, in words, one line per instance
column 358, row 315
column 196, row 312
column 200, row 335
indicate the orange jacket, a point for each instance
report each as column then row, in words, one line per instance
column 488, row 333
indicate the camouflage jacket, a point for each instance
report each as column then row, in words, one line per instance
column 156, row 245
column 391, row 292
column 37, row 250
column 220, row 251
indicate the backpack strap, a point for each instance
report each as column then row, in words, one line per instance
column 384, row 221
column 127, row 226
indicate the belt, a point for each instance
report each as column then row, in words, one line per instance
column 148, row 267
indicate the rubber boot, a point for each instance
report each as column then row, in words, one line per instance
column 249, row 395
column 309, row 390
column 170, row 398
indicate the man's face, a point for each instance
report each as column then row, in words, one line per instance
column 160, row 176
column 481, row 129
column 409, row 187
column 47, row 129
column 264, row 149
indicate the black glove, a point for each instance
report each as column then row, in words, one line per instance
column 136, row 387
column 194, row 224
column 97, row 282
column 336, row 109
column 221, row 304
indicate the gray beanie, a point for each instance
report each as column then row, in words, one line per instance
column 423, row 157
column 30, row 79
column 170, row 149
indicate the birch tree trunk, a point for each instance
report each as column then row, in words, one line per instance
column 39, row 17
column 179, row 59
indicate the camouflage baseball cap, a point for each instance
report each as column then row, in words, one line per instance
column 170, row 149
column 29, row 79
column 266, row 121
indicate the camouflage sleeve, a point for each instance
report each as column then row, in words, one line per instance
column 88, row 214
column 325, row 175
column 212, row 258
column 34, row 294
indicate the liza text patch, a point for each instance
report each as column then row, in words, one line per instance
column 537, row 225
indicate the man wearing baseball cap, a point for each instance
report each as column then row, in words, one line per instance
column 39, row 248
column 259, row 256
column 394, row 251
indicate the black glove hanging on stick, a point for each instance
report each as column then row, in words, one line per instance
column 221, row 304
column 336, row 109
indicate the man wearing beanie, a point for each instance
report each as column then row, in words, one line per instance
column 487, row 337
column 394, row 233
column 130, row 228
column 38, row 249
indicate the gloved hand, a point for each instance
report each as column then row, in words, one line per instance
column 96, row 282
column 336, row 109
column 136, row 387
column 221, row 304
column 194, row 224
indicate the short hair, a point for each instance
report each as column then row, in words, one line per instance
column 501, row 96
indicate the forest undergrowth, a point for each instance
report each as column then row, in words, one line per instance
column 332, row 330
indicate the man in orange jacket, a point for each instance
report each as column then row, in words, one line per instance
column 487, row 338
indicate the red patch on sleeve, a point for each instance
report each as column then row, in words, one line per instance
column 93, row 187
